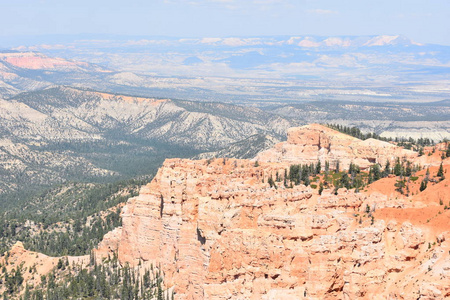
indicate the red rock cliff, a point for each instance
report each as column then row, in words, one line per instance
column 310, row 143
column 219, row 231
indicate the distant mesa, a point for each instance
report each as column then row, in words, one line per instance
column 389, row 40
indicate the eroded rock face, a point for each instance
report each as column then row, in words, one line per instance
column 310, row 143
column 219, row 232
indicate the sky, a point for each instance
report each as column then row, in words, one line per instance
column 424, row 21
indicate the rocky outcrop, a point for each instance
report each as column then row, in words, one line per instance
column 310, row 143
column 26, row 261
column 110, row 243
column 218, row 231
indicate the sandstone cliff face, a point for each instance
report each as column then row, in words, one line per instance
column 219, row 232
column 310, row 143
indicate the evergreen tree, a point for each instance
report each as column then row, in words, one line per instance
column 27, row 294
column 370, row 177
column 318, row 167
column 400, row 186
column 423, row 185
column 285, row 178
column 440, row 172
column 376, row 172
column 398, row 168
column 345, row 181
column 305, row 176
column 408, row 170
column 387, row 169
column 420, row 151
column 271, row 182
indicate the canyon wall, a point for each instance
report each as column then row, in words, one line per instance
column 310, row 143
column 219, row 231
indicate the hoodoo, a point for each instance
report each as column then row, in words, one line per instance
column 219, row 230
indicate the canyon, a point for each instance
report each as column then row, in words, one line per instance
column 80, row 134
column 218, row 230
column 236, row 201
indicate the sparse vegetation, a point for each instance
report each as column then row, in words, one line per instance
column 407, row 143
column 105, row 280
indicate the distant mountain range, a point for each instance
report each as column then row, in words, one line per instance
column 248, row 69
column 155, row 55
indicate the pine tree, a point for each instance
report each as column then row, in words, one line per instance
column 398, row 167
column 345, row 181
column 307, row 181
column 318, row 167
column 376, row 172
column 400, row 186
column 305, row 175
column 423, row 185
column 408, row 170
column 440, row 172
column 27, row 294
column 370, row 177
column 285, row 178
column 271, row 182
column 387, row 169
column 320, row 188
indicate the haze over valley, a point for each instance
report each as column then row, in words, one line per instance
column 209, row 149
column 256, row 69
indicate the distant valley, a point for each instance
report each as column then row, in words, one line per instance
column 87, row 123
column 257, row 69
column 100, row 111
column 62, row 133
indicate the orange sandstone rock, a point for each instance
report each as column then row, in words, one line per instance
column 218, row 231
column 310, row 143
column 217, row 235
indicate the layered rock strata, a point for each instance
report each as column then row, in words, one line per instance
column 310, row 143
column 218, row 231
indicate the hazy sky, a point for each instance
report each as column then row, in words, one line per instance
column 426, row 21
